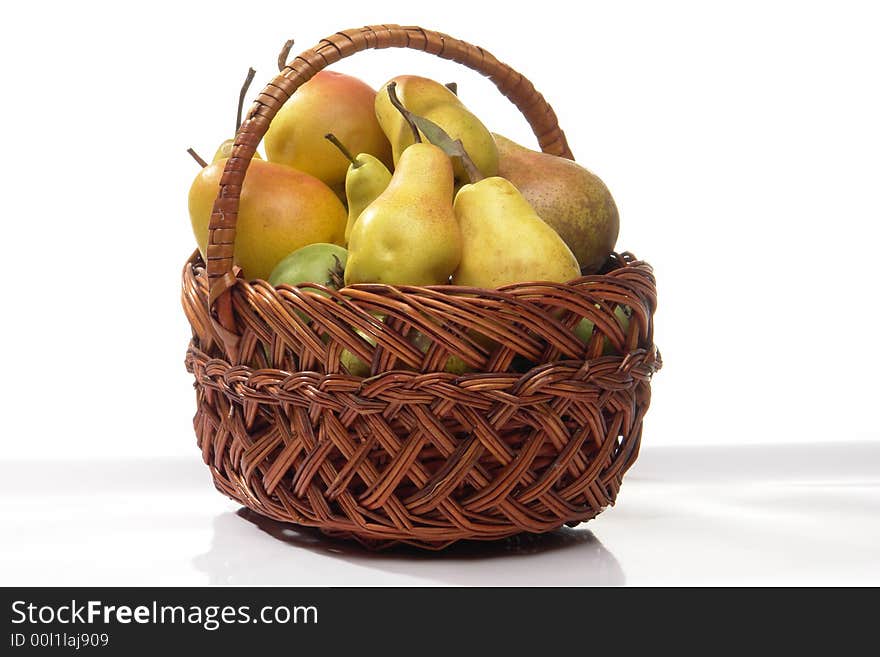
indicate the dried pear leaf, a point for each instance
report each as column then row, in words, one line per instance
column 436, row 135
column 452, row 147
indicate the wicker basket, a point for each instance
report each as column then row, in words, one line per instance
column 537, row 435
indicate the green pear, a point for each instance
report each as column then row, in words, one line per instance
column 353, row 363
column 434, row 101
column 409, row 235
column 584, row 329
column 366, row 178
column 453, row 365
column 320, row 263
column 505, row 241
column 573, row 200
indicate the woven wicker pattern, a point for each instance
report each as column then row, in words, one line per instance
column 537, row 431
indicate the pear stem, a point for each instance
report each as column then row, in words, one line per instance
column 392, row 94
column 453, row 87
column 197, row 158
column 244, row 89
column 336, row 274
column 342, row 149
column 471, row 171
column 284, row 54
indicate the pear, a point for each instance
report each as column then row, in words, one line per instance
column 324, row 264
column 573, row 200
column 505, row 241
column 453, row 365
column 584, row 329
column 366, row 178
column 281, row 210
column 224, row 151
column 320, row 263
column 330, row 101
column 352, row 363
column 408, row 235
column 437, row 103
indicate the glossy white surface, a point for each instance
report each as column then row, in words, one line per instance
column 792, row 514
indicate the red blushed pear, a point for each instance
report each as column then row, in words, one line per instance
column 281, row 210
column 329, row 102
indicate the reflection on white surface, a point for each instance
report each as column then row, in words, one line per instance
column 807, row 464
column 567, row 557
column 792, row 514
column 784, row 515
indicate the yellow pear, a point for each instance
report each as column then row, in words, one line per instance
column 366, row 178
column 573, row 200
column 281, row 210
column 434, row 101
column 409, row 234
column 224, row 151
column 505, row 241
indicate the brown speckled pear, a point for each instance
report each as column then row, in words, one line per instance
column 573, row 200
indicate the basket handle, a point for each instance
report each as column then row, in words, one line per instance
column 221, row 235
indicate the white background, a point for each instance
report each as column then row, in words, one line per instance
column 740, row 140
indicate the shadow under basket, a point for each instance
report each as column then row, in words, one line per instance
column 478, row 414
